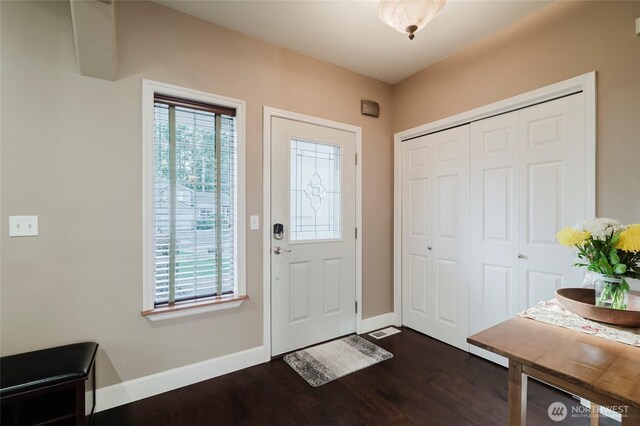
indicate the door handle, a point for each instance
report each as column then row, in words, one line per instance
column 279, row 250
column 521, row 256
column 429, row 248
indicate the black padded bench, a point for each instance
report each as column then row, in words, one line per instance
column 52, row 386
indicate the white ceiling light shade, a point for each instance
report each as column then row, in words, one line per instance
column 409, row 16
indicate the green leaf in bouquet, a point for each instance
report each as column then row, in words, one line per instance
column 604, row 265
column 620, row 268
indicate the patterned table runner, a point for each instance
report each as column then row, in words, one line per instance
column 552, row 313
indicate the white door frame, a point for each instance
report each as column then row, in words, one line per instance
column 585, row 83
column 269, row 113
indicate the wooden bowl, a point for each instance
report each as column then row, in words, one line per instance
column 581, row 301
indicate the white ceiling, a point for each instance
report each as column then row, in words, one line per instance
column 349, row 33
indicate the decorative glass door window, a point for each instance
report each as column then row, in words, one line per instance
column 315, row 191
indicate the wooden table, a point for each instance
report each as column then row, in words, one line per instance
column 605, row 372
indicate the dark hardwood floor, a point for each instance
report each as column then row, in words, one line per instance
column 426, row 382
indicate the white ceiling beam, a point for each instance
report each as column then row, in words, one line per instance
column 94, row 33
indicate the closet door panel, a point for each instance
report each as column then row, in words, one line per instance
column 418, row 272
column 447, row 296
column 494, row 233
column 450, row 301
column 552, row 195
column 416, row 235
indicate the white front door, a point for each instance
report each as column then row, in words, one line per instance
column 313, row 259
column 435, row 209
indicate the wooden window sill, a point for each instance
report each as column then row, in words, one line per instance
column 194, row 308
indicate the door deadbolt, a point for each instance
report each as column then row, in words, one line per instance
column 278, row 231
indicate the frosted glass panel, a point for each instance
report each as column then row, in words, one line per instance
column 315, row 191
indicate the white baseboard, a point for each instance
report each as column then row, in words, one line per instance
column 377, row 322
column 144, row 387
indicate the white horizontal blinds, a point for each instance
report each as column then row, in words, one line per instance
column 226, row 205
column 194, row 200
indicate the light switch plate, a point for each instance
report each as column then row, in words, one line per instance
column 254, row 222
column 23, row 226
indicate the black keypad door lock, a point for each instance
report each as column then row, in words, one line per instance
column 278, row 231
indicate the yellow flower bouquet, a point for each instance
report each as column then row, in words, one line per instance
column 609, row 249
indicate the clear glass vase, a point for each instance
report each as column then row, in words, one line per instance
column 611, row 292
column 589, row 280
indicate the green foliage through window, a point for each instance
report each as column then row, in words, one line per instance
column 194, row 203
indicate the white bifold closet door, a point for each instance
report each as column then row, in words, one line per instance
column 527, row 181
column 481, row 205
column 435, row 235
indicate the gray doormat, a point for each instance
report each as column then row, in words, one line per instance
column 323, row 363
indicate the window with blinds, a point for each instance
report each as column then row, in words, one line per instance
column 194, row 201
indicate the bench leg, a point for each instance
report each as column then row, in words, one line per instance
column 80, row 400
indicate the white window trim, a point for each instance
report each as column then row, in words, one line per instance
column 149, row 89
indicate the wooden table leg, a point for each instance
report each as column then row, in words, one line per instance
column 517, row 395
column 594, row 414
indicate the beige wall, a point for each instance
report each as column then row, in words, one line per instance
column 562, row 41
column 71, row 153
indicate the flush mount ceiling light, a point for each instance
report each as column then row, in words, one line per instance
column 408, row 16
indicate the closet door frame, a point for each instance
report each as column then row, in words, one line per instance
column 585, row 83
